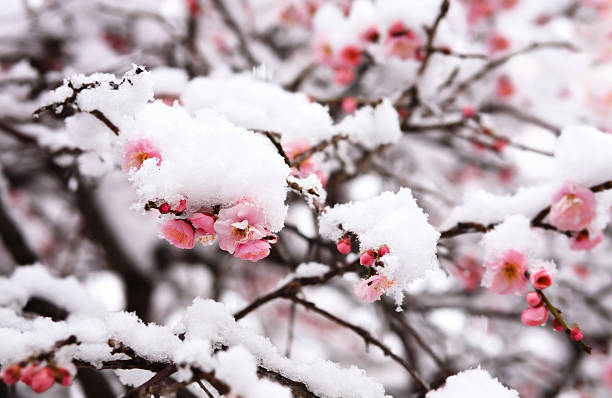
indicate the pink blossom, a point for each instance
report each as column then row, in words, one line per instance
column 11, row 374
column 295, row 148
column 506, row 274
column 42, row 380
column 534, row 316
column 557, row 326
column 344, row 245
column 582, row 240
column 533, row 299
column 64, row 376
column 505, row 87
column 470, row 271
column 136, row 152
column 576, row 333
column 239, row 224
column 204, row 226
column 540, row 279
column 468, row 111
column 497, row 43
column 371, row 35
column 253, row 250
column 573, row 207
column 203, row 222
column 323, row 53
column 344, row 75
column 179, row 233
column 383, row 250
column 404, row 47
column 28, row 372
column 350, row 56
column 349, row 104
column 367, row 258
column 372, row 288
column 182, row 206
column 164, row 208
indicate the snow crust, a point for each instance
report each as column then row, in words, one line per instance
column 392, row 219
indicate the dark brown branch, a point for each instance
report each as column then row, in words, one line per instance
column 231, row 23
column 520, row 115
column 365, row 335
column 431, row 35
column 290, row 288
column 494, row 64
column 298, row 388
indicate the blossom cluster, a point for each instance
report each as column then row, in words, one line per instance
column 39, row 376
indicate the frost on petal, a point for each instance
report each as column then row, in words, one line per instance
column 394, row 220
column 473, row 383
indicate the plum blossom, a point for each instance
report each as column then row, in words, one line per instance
column 253, row 250
column 350, row 56
column 506, row 273
column 179, row 233
column 323, row 53
column 11, row 374
column 534, row 316
column 344, row 75
column 583, row 240
column 371, row 289
column 204, row 227
column 540, row 279
column 533, row 299
column 294, row 149
column 573, row 207
column 136, row 152
column 576, row 333
column 470, row 271
column 42, row 380
column 344, row 245
column 402, row 42
column 242, row 224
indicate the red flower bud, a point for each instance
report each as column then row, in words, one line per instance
column 344, row 245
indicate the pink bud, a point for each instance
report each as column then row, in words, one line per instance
column 344, row 75
column 557, row 326
column 349, row 104
column 534, row 316
column 182, row 206
column 533, row 299
column 540, row 279
column 164, row 208
column 367, row 258
column 505, row 87
column 468, row 111
column 11, row 374
column 576, row 333
column 28, row 372
column 350, row 56
column 383, row 250
column 344, row 245
column 64, row 376
column 42, row 380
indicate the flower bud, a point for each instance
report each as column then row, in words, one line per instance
column 533, row 299
column 344, row 245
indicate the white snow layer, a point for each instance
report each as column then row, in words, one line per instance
column 260, row 105
column 392, row 219
column 582, row 155
column 473, row 383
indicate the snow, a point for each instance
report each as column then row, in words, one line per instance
column 372, row 127
column 36, row 281
column 392, row 219
column 208, row 161
column 514, row 233
column 260, row 105
column 582, row 156
column 473, row 383
column 207, row 319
